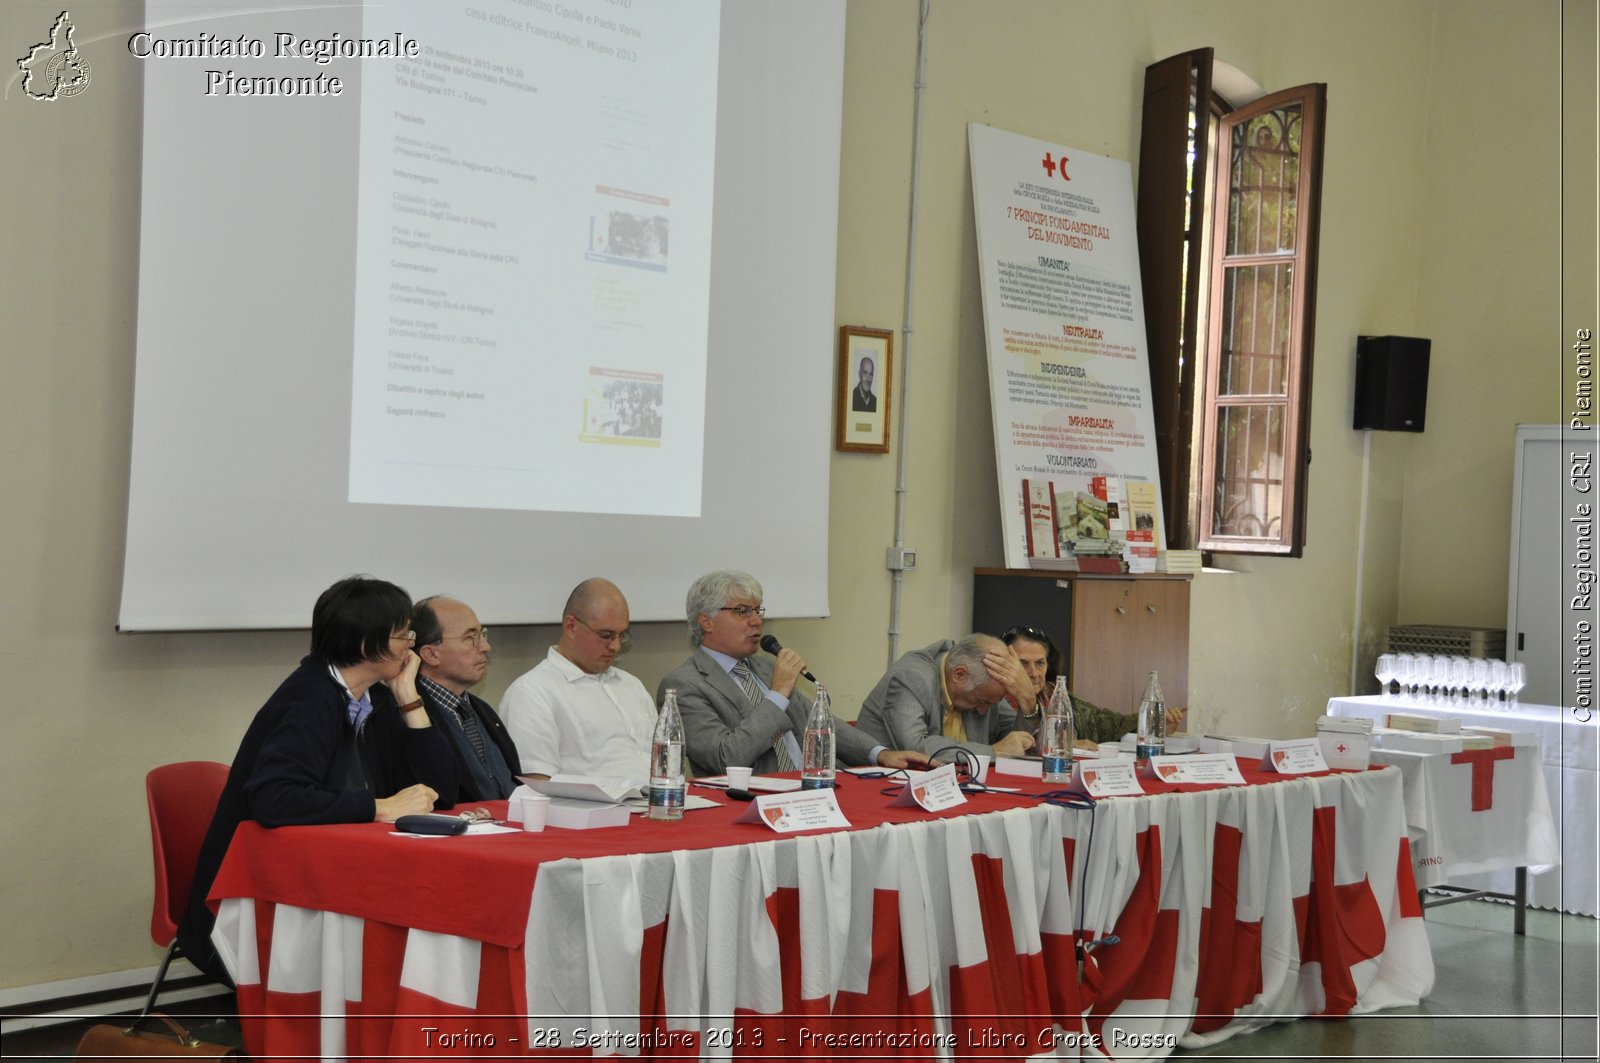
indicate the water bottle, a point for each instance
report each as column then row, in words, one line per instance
column 1057, row 734
column 816, row 753
column 666, row 762
column 1152, row 733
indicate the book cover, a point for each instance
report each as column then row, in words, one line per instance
column 1039, row 499
column 1145, row 538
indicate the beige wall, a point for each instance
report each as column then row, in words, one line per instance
column 1440, row 219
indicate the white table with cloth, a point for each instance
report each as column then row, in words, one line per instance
column 913, row 934
column 1568, row 762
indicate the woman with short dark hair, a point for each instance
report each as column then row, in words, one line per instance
column 344, row 728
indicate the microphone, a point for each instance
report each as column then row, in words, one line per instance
column 771, row 644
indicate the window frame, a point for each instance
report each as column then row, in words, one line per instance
column 1295, row 402
column 1184, row 289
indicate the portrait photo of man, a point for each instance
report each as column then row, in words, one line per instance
column 862, row 400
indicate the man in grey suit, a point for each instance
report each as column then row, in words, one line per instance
column 742, row 710
column 952, row 693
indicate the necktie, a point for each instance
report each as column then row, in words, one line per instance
column 746, row 678
column 469, row 724
column 955, row 724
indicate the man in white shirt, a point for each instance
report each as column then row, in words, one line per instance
column 576, row 713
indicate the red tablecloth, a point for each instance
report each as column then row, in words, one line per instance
column 912, row 934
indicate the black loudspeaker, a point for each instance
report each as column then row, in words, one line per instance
column 1391, row 382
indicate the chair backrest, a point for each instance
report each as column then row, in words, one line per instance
column 183, row 797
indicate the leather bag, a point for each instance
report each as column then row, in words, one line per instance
column 106, row 1041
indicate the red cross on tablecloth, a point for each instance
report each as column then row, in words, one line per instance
column 1482, row 761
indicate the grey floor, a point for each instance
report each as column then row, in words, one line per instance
column 1496, row 996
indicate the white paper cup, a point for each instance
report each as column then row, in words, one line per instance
column 983, row 769
column 534, row 810
column 739, row 778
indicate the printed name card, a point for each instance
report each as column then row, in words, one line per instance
column 1294, row 756
column 801, row 810
column 1108, row 777
column 934, row 790
column 1026, row 767
column 1210, row 769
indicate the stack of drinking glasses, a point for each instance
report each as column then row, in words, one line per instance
column 1440, row 680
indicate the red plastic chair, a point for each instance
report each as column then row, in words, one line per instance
column 182, row 797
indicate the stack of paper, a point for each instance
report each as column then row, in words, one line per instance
column 1401, row 721
column 1237, row 745
column 1184, row 561
column 580, row 802
column 1503, row 737
column 1417, row 741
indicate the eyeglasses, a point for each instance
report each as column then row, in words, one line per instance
column 623, row 639
column 406, row 636
column 1032, row 634
column 477, row 636
column 744, row 612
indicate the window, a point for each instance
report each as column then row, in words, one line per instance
column 1228, row 210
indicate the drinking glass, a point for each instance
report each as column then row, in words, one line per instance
column 1477, row 677
column 1440, row 678
column 1516, row 679
column 1405, row 674
column 1498, row 673
column 1460, row 670
column 1385, row 672
column 1410, row 669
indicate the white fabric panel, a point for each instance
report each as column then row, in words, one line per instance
column 826, row 924
column 234, row 936
column 442, row 966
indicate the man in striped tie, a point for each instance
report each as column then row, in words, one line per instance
column 454, row 648
column 743, row 710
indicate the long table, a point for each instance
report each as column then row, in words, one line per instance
column 1567, row 753
column 1204, row 913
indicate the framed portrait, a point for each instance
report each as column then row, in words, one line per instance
column 866, row 367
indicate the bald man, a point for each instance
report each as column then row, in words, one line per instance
column 576, row 713
column 454, row 648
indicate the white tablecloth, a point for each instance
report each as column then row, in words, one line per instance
column 1470, row 813
column 1568, row 758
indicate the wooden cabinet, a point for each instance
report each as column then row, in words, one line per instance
column 1114, row 630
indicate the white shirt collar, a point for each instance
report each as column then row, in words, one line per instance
column 572, row 673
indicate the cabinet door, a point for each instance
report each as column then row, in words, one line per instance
column 1000, row 602
column 1122, row 630
column 1534, row 621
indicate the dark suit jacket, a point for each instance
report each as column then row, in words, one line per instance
column 863, row 401
column 300, row 763
column 721, row 727
column 493, row 729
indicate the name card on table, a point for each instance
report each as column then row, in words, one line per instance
column 1108, row 777
column 801, row 810
column 1026, row 767
column 1294, row 756
column 934, row 790
column 1207, row 768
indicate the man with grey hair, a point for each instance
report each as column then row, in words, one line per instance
column 743, row 710
column 959, row 693
column 576, row 713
